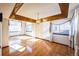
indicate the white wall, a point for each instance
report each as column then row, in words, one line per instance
column 5, row 32
column 41, row 30
column 35, row 28
column 61, row 39
column 45, row 32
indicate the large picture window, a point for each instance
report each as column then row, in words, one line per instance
column 28, row 27
column 14, row 26
column 61, row 28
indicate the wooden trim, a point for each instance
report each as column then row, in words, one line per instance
column 0, row 46
column 64, row 7
column 61, row 44
column 18, row 17
column 15, row 9
column 55, row 17
column 5, row 47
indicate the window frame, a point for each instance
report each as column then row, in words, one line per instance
column 16, row 21
column 26, row 26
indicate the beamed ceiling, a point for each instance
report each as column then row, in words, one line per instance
column 48, row 12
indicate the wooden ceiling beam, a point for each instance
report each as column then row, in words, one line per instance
column 15, row 9
column 55, row 17
column 22, row 18
column 64, row 7
column 19, row 17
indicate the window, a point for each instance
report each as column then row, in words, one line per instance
column 56, row 28
column 65, row 26
column 14, row 26
column 61, row 28
column 28, row 27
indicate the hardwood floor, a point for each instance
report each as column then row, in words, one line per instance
column 39, row 47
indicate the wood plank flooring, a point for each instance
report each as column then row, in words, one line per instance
column 40, row 48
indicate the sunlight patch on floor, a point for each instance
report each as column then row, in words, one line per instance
column 22, row 49
column 18, row 47
column 29, row 49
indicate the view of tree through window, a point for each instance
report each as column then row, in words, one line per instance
column 14, row 26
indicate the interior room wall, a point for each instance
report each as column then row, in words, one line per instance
column 5, row 32
column 36, row 30
column 61, row 39
column 41, row 30
column 45, row 30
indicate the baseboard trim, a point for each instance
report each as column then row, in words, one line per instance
column 17, row 35
column 5, row 46
column 60, row 43
column 0, row 46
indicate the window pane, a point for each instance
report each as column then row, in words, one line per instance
column 28, row 27
column 62, row 28
column 14, row 26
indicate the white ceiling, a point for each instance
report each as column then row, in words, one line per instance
column 40, row 10
column 6, row 9
column 30, row 10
